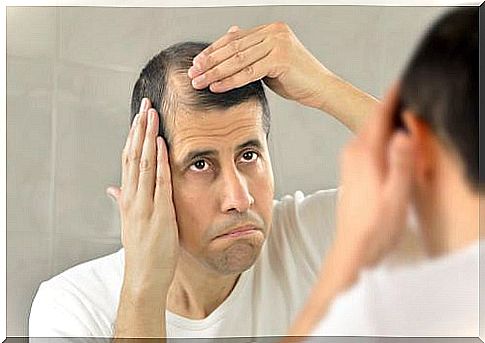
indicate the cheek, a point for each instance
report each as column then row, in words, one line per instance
column 191, row 212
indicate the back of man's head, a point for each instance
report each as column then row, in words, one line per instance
column 440, row 85
column 165, row 82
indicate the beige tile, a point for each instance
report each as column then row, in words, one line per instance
column 304, row 147
column 92, row 125
column 29, row 105
column 115, row 37
column 71, row 250
column 31, row 31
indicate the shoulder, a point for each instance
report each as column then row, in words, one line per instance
column 305, row 220
column 301, row 232
column 79, row 301
column 306, row 211
column 103, row 272
column 315, row 201
column 404, row 300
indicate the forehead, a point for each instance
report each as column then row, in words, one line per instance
column 189, row 129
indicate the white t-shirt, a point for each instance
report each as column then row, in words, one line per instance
column 83, row 300
column 436, row 297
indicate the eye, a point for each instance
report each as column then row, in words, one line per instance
column 249, row 156
column 199, row 166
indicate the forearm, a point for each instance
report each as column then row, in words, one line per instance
column 141, row 314
column 345, row 102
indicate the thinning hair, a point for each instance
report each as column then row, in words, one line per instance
column 165, row 82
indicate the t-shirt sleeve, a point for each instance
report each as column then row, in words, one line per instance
column 57, row 312
column 304, row 226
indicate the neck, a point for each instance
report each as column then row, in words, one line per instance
column 196, row 291
column 453, row 223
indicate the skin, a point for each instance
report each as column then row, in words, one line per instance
column 400, row 169
column 273, row 53
column 228, row 184
column 172, row 258
column 179, row 252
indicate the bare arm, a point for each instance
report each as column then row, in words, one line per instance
column 371, row 215
column 345, row 102
column 146, row 207
column 273, row 53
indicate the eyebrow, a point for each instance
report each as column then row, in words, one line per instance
column 252, row 142
column 196, row 154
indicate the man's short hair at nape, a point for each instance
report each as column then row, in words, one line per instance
column 164, row 80
column 440, row 84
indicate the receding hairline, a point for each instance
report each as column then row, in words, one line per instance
column 187, row 110
column 165, row 81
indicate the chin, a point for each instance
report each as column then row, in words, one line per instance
column 236, row 258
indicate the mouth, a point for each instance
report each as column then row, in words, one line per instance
column 239, row 232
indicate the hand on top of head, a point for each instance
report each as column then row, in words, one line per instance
column 270, row 52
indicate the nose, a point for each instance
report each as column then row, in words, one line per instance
column 235, row 195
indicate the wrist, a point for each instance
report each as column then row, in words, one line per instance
column 343, row 265
column 144, row 296
column 150, row 287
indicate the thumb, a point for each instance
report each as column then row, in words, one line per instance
column 114, row 193
column 399, row 183
column 233, row 28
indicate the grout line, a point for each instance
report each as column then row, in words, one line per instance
column 54, row 116
column 103, row 66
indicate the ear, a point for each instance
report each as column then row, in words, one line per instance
column 424, row 142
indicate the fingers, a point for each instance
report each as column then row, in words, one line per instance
column 224, row 40
column 399, row 182
column 249, row 73
column 233, row 28
column 146, row 181
column 232, row 43
column 383, row 121
column 377, row 132
column 163, row 181
column 126, row 154
column 228, row 59
column 134, row 152
column 401, row 165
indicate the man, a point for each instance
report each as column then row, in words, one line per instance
column 207, row 251
column 419, row 150
column 433, row 166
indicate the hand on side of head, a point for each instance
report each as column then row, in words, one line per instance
column 149, row 228
column 270, row 52
column 377, row 180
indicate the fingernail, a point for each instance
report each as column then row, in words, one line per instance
column 151, row 117
column 193, row 72
column 135, row 120
column 198, row 65
column 144, row 105
column 199, row 80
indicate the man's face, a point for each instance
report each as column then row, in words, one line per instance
column 222, row 185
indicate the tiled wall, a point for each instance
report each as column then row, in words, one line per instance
column 69, row 78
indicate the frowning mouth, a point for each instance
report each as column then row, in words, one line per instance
column 239, row 232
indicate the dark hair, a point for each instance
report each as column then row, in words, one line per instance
column 440, row 84
column 165, row 82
